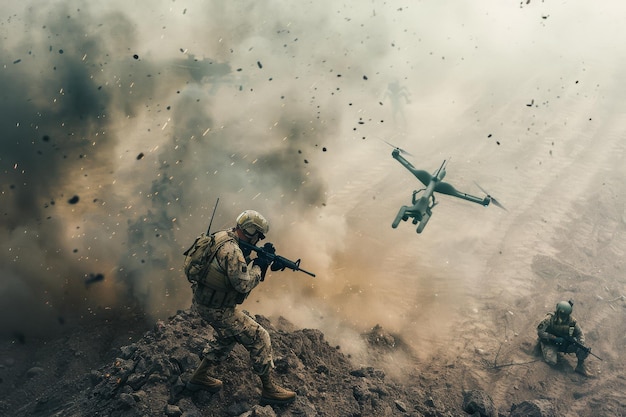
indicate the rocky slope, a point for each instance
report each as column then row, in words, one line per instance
column 147, row 377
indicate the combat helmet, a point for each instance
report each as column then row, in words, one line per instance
column 252, row 222
column 564, row 308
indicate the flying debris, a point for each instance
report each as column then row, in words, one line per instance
column 202, row 70
column 93, row 278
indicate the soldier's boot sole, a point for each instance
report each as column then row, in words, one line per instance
column 276, row 401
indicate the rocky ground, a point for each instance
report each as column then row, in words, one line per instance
column 127, row 366
column 71, row 377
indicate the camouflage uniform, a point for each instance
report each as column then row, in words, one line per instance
column 551, row 328
column 239, row 276
column 222, row 276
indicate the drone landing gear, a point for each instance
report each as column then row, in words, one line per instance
column 422, row 224
column 404, row 214
column 401, row 216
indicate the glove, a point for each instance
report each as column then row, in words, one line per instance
column 558, row 341
column 269, row 248
column 262, row 260
column 263, row 264
column 276, row 264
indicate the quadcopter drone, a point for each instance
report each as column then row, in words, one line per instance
column 421, row 210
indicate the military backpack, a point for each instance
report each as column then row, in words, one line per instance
column 201, row 253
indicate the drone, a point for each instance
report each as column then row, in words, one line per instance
column 421, row 210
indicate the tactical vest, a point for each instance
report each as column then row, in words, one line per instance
column 562, row 329
column 212, row 288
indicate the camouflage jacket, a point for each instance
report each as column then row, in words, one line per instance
column 242, row 275
column 229, row 276
column 550, row 327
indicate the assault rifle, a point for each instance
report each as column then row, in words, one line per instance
column 267, row 252
column 579, row 345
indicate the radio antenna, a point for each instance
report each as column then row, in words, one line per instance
column 212, row 215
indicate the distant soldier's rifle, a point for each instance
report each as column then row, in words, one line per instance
column 576, row 343
column 267, row 254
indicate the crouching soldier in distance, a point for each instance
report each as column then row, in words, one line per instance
column 558, row 333
column 222, row 276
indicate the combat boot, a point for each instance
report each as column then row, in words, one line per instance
column 200, row 380
column 581, row 368
column 273, row 393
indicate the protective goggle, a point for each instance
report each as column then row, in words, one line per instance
column 252, row 232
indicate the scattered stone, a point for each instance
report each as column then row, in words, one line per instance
column 478, row 401
column 34, row 371
column 173, row 411
column 126, row 401
column 534, row 408
column 401, row 406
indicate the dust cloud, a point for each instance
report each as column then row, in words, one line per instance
column 123, row 125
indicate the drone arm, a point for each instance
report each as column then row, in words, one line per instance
column 445, row 188
column 483, row 201
column 423, row 176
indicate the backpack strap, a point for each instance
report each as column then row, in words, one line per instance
column 193, row 245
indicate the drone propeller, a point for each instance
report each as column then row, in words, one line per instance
column 395, row 147
column 493, row 200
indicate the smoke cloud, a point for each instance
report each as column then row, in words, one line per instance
column 123, row 125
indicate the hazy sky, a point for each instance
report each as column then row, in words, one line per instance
column 122, row 125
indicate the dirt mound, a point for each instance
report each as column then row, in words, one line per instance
column 77, row 375
column 148, row 377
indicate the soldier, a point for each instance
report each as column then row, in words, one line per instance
column 225, row 283
column 554, row 332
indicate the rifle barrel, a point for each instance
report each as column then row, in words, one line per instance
column 306, row 272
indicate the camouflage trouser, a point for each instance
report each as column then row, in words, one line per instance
column 231, row 327
column 551, row 352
